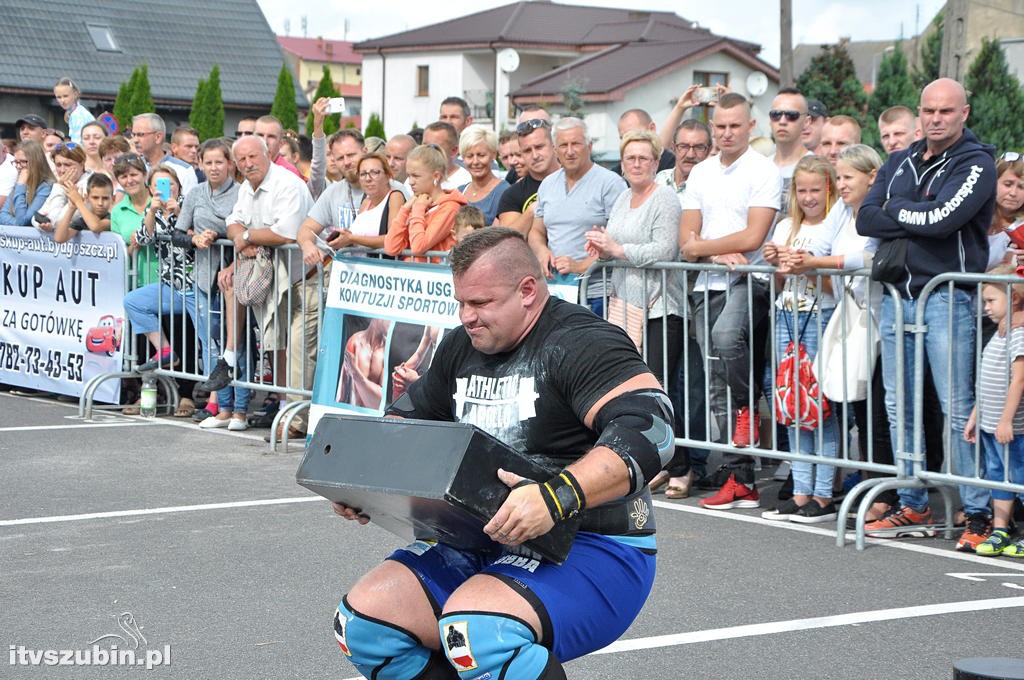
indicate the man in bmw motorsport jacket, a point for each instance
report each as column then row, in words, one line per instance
column 939, row 195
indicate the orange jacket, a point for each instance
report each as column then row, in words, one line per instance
column 423, row 227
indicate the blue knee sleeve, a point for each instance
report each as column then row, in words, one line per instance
column 378, row 649
column 487, row 645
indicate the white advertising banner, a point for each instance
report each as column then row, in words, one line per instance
column 61, row 310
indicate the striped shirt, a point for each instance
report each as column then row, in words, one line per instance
column 994, row 380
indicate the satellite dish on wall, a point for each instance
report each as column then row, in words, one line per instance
column 508, row 60
column 757, row 84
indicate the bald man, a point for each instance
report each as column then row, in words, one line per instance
column 638, row 119
column 937, row 198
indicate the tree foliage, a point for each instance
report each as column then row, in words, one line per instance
column 375, row 127
column 832, row 79
column 215, row 104
column 284, row 108
column 996, row 98
column 325, row 88
column 142, row 95
column 931, row 54
column 207, row 115
column 123, row 105
column 893, row 84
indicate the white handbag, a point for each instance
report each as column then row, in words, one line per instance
column 844, row 372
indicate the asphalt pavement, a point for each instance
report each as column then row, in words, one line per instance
column 200, row 544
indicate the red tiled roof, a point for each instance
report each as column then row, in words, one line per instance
column 320, row 49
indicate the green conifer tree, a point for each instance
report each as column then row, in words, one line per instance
column 996, row 99
column 199, row 116
column 375, row 128
column 931, row 54
column 142, row 95
column 284, row 108
column 325, row 88
column 832, row 79
column 215, row 123
column 123, row 104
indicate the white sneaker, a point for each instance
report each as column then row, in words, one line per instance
column 214, row 423
column 237, row 424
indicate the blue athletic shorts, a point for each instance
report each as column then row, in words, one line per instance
column 584, row 604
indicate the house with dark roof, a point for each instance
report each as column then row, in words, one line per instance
column 608, row 60
column 98, row 46
column 308, row 57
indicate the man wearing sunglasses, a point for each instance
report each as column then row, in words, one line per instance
column 788, row 118
column 516, row 207
column 938, row 195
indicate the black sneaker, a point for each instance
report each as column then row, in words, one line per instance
column 783, row 511
column 786, row 490
column 714, row 481
column 813, row 513
column 219, row 378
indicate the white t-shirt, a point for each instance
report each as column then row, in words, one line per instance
column 460, row 177
column 817, row 240
column 724, row 196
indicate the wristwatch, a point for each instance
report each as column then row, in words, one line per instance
column 245, row 235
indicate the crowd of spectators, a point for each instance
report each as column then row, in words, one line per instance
column 697, row 192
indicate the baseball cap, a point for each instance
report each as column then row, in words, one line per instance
column 31, row 119
column 815, row 109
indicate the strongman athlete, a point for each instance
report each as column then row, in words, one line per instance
column 558, row 383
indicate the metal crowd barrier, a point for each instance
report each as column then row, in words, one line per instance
column 902, row 467
column 704, row 402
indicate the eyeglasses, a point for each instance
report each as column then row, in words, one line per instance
column 131, row 133
column 686, row 148
column 791, row 116
column 66, row 145
column 370, row 174
column 244, row 133
column 20, row 164
column 528, row 126
column 1010, row 156
column 637, row 160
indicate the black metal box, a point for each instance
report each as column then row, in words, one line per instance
column 422, row 479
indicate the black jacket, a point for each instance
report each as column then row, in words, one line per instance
column 943, row 206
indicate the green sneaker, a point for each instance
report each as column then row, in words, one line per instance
column 1015, row 549
column 998, row 542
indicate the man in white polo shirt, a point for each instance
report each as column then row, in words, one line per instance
column 729, row 206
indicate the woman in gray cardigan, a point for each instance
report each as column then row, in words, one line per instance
column 643, row 228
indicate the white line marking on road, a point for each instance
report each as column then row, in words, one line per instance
column 790, row 526
column 774, row 627
column 156, row 511
column 33, row 428
column 1014, row 585
column 975, row 575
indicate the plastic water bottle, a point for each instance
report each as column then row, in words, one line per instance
column 147, row 406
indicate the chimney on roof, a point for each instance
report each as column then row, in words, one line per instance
column 330, row 49
column 320, row 43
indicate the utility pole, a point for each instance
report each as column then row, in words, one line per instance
column 954, row 41
column 786, row 75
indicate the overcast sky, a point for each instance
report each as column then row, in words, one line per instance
column 814, row 21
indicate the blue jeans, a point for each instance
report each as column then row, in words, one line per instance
column 994, row 468
column 941, row 339
column 809, row 478
column 144, row 307
column 230, row 398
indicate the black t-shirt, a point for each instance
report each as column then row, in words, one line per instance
column 534, row 397
column 519, row 196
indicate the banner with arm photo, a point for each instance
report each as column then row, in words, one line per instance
column 61, row 310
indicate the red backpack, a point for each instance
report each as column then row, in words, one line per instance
column 797, row 394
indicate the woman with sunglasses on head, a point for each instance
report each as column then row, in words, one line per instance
column 93, row 135
column 32, row 188
column 1009, row 213
column 126, row 216
column 68, row 161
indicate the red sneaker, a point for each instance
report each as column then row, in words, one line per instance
column 979, row 527
column 733, row 495
column 745, row 426
column 904, row 522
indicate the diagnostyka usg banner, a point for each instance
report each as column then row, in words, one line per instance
column 381, row 324
column 61, row 310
